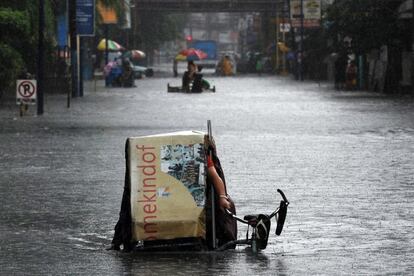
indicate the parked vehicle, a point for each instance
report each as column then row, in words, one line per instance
column 141, row 71
column 210, row 48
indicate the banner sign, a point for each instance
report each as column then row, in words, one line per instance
column 85, row 17
column 168, row 182
column 62, row 30
column 108, row 14
column 311, row 13
column 127, row 15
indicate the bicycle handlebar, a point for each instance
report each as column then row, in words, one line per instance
column 228, row 212
column 283, row 195
column 235, row 217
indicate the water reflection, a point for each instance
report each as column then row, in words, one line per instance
column 217, row 263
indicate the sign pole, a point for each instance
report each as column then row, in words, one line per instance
column 69, row 91
column 284, row 72
column 106, row 43
column 73, row 53
column 213, row 207
column 40, row 56
column 277, row 42
column 85, row 26
column 301, row 42
column 78, row 65
column 81, row 64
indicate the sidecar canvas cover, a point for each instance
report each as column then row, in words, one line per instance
column 168, row 199
column 168, row 181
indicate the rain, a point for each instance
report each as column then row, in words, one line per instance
column 312, row 97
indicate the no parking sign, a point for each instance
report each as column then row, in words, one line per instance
column 26, row 91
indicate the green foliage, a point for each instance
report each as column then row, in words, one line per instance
column 370, row 23
column 153, row 28
column 19, row 22
column 160, row 27
column 117, row 5
column 13, row 23
column 10, row 67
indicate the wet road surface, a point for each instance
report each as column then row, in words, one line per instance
column 344, row 159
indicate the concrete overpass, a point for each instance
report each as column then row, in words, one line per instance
column 211, row 5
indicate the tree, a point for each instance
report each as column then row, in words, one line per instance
column 158, row 27
column 370, row 23
column 18, row 37
column 12, row 24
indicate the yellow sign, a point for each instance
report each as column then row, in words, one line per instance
column 108, row 14
column 282, row 47
column 311, row 9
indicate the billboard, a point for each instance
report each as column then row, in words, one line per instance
column 168, row 181
column 108, row 14
column 85, row 17
column 311, row 13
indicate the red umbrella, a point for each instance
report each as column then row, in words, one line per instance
column 193, row 54
column 134, row 54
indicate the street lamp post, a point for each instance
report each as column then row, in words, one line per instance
column 301, row 43
column 40, row 56
column 73, row 47
column 106, row 43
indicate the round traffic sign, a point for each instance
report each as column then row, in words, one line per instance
column 26, row 89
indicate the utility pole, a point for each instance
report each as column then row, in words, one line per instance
column 277, row 41
column 40, row 57
column 73, row 46
column 79, row 65
column 106, row 30
column 285, row 29
column 300, row 59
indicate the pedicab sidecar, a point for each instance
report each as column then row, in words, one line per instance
column 178, row 89
column 195, row 84
column 169, row 202
column 166, row 194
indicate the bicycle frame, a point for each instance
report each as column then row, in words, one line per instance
column 260, row 225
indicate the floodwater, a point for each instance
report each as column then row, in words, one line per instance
column 344, row 160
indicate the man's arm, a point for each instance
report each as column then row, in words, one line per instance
column 219, row 186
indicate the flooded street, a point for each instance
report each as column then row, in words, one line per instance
column 344, row 159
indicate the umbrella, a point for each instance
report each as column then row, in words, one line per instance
column 280, row 45
column 192, row 54
column 180, row 57
column 112, row 45
column 283, row 47
column 134, row 54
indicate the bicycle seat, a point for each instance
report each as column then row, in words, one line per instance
column 251, row 217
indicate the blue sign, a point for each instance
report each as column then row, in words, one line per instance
column 62, row 30
column 85, row 17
